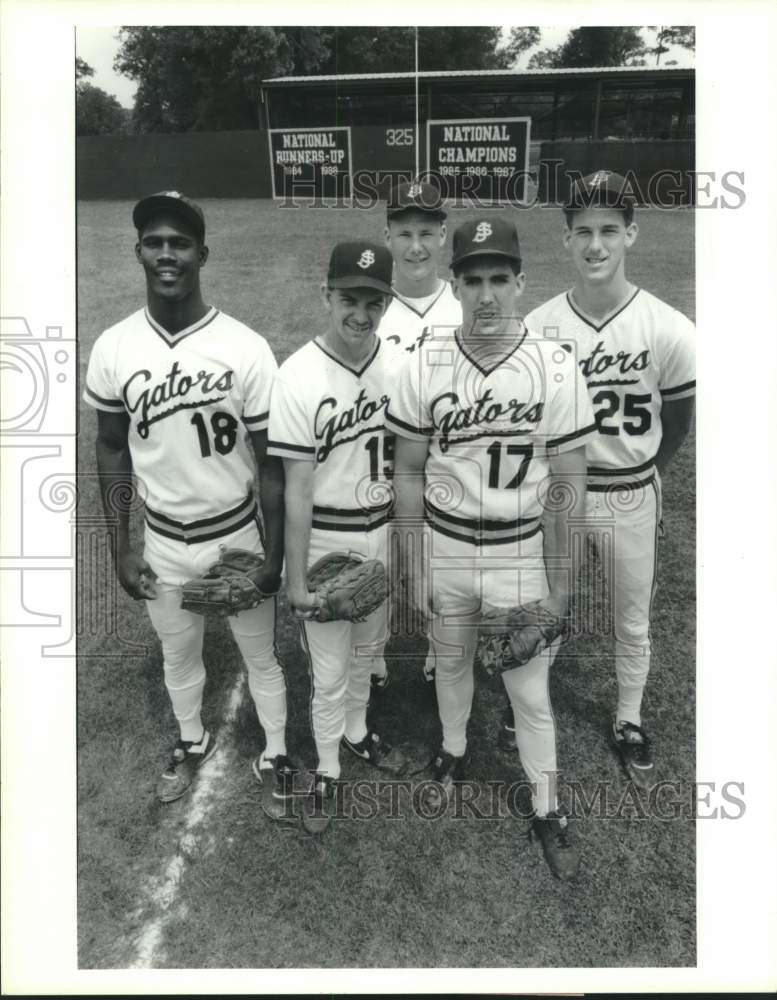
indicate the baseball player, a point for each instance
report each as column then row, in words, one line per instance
column 415, row 234
column 327, row 423
column 182, row 393
column 638, row 359
column 489, row 418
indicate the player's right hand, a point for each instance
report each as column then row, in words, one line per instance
column 302, row 602
column 136, row 576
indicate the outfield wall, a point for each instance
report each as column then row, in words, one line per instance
column 236, row 164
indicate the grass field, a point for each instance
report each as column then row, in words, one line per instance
column 209, row 881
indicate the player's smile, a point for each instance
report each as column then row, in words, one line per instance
column 415, row 240
column 354, row 316
column 171, row 257
column 598, row 239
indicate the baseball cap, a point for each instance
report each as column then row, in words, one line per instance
column 173, row 202
column 601, row 189
column 414, row 195
column 359, row 264
column 494, row 236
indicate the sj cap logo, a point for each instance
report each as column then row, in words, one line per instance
column 366, row 260
column 482, row 232
column 173, row 194
column 599, row 178
column 414, row 191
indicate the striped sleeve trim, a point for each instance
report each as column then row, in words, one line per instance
column 285, row 450
column 686, row 389
column 407, row 430
column 572, row 440
column 258, row 422
column 99, row 403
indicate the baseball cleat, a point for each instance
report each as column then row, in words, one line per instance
column 561, row 855
column 633, row 748
column 318, row 806
column 374, row 750
column 444, row 770
column 505, row 739
column 276, row 776
column 187, row 758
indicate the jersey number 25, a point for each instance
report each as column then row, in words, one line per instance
column 634, row 408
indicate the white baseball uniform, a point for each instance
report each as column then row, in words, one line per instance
column 490, row 429
column 406, row 320
column 633, row 361
column 334, row 416
column 191, row 398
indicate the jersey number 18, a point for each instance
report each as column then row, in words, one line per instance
column 224, row 428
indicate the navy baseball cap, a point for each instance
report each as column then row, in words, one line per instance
column 494, row 236
column 173, row 202
column 416, row 196
column 359, row 264
column 601, row 189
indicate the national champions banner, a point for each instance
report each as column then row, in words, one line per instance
column 485, row 159
column 311, row 162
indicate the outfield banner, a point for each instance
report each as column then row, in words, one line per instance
column 311, row 162
column 482, row 159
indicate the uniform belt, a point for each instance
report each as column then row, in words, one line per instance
column 606, row 480
column 612, row 485
column 481, row 531
column 351, row 518
column 207, row 528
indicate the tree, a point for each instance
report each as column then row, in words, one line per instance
column 198, row 78
column 592, row 47
column 460, row 48
column 209, row 77
column 98, row 113
column 392, row 50
column 667, row 35
column 521, row 40
column 83, row 69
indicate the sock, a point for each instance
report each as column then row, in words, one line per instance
column 355, row 726
column 276, row 743
column 329, row 759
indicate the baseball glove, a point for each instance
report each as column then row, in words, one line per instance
column 510, row 637
column 347, row 588
column 228, row 587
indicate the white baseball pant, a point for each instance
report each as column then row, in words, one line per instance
column 181, row 634
column 464, row 581
column 343, row 655
column 623, row 526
